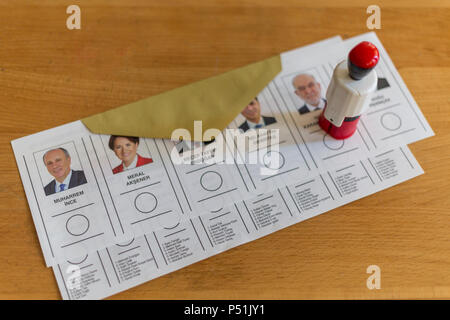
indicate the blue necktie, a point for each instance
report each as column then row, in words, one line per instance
column 258, row 126
column 61, row 187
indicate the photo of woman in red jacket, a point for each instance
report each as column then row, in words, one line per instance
column 125, row 149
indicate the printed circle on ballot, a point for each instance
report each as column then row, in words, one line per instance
column 332, row 143
column 145, row 202
column 78, row 260
column 391, row 121
column 169, row 220
column 269, row 157
column 211, row 181
column 125, row 243
column 77, row 225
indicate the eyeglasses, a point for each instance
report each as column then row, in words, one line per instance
column 310, row 86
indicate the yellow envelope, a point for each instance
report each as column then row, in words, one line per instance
column 215, row 101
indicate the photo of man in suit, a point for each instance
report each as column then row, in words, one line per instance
column 309, row 90
column 254, row 119
column 58, row 163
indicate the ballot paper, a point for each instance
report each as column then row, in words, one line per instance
column 107, row 208
column 124, row 265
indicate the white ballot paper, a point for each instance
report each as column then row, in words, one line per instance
column 124, row 265
column 182, row 213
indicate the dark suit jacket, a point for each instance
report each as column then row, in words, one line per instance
column 304, row 109
column 266, row 120
column 77, row 179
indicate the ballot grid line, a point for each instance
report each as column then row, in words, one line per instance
column 374, row 169
column 104, row 150
column 103, row 267
column 288, row 126
column 167, row 173
column 107, row 186
column 264, row 94
column 151, row 251
column 65, row 285
column 128, row 250
column 227, row 146
column 219, row 216
column 284, row 201
column 151, row 217
column 243, row 162
column 98, row 187
column 237, row 209
column 362, row 138
column 216, row 195
column 326, row 186
column 176, row 173
column 207, row 234
column 251, row 217
column 367, row 131
column 302, row 184
column 334, row 183
column 240, row 174
column 397, row 134
column 112, row 264
column 384, row 108
column 196, row 233
column 39, row 208
column 280, row 173
column 149, row 185
column 384, row 153
column 85, row 267
column 278, row 90
column 78, row 241
column 75, row 209
column 403, row 152
column 364, row 167
column 257, row 201
column 394, row 75
column 295, row 202
column 345, row 168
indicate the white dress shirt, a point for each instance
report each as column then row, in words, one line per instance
column 252, row 125
column 320, row 106
column 132, row 164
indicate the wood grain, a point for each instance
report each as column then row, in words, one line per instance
column 127, row 50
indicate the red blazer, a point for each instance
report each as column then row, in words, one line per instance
column 140, row 162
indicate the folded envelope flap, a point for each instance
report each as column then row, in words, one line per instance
column 215, row 101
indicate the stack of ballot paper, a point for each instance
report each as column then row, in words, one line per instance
column 113, row 223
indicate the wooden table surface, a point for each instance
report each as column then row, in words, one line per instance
column 128, row 50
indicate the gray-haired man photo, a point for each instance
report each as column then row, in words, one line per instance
column 58, row 163
column 309, row 90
